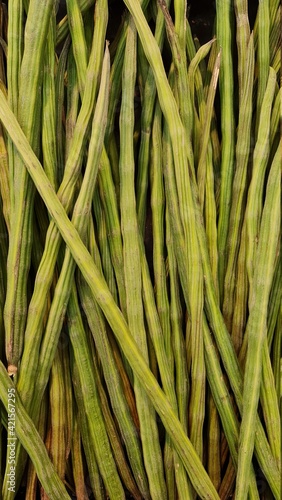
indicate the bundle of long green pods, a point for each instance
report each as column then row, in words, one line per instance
column 140, row 273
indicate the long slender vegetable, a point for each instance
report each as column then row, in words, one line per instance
column 100, row 290
column 132, row 269
column 43, row 282
column 91, row 403
column 27, row 433
column 30, row 80
column 239, row 187
column 224, row 22
column 256, row 326
column 140, row 249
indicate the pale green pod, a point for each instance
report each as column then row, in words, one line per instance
column 224, row 405
column 93, row 480
column 132, row 268
column 28, row 109
column 28, row 435
column 29, row 362
column 63, row 26
column 263, row 54
column 78, row 41
column 256, row 326
column 239, row 188
column 255, row 192
column 91, row 401
column 58, row 416
column 224, row 14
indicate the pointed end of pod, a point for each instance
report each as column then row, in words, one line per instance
column 12, row 370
